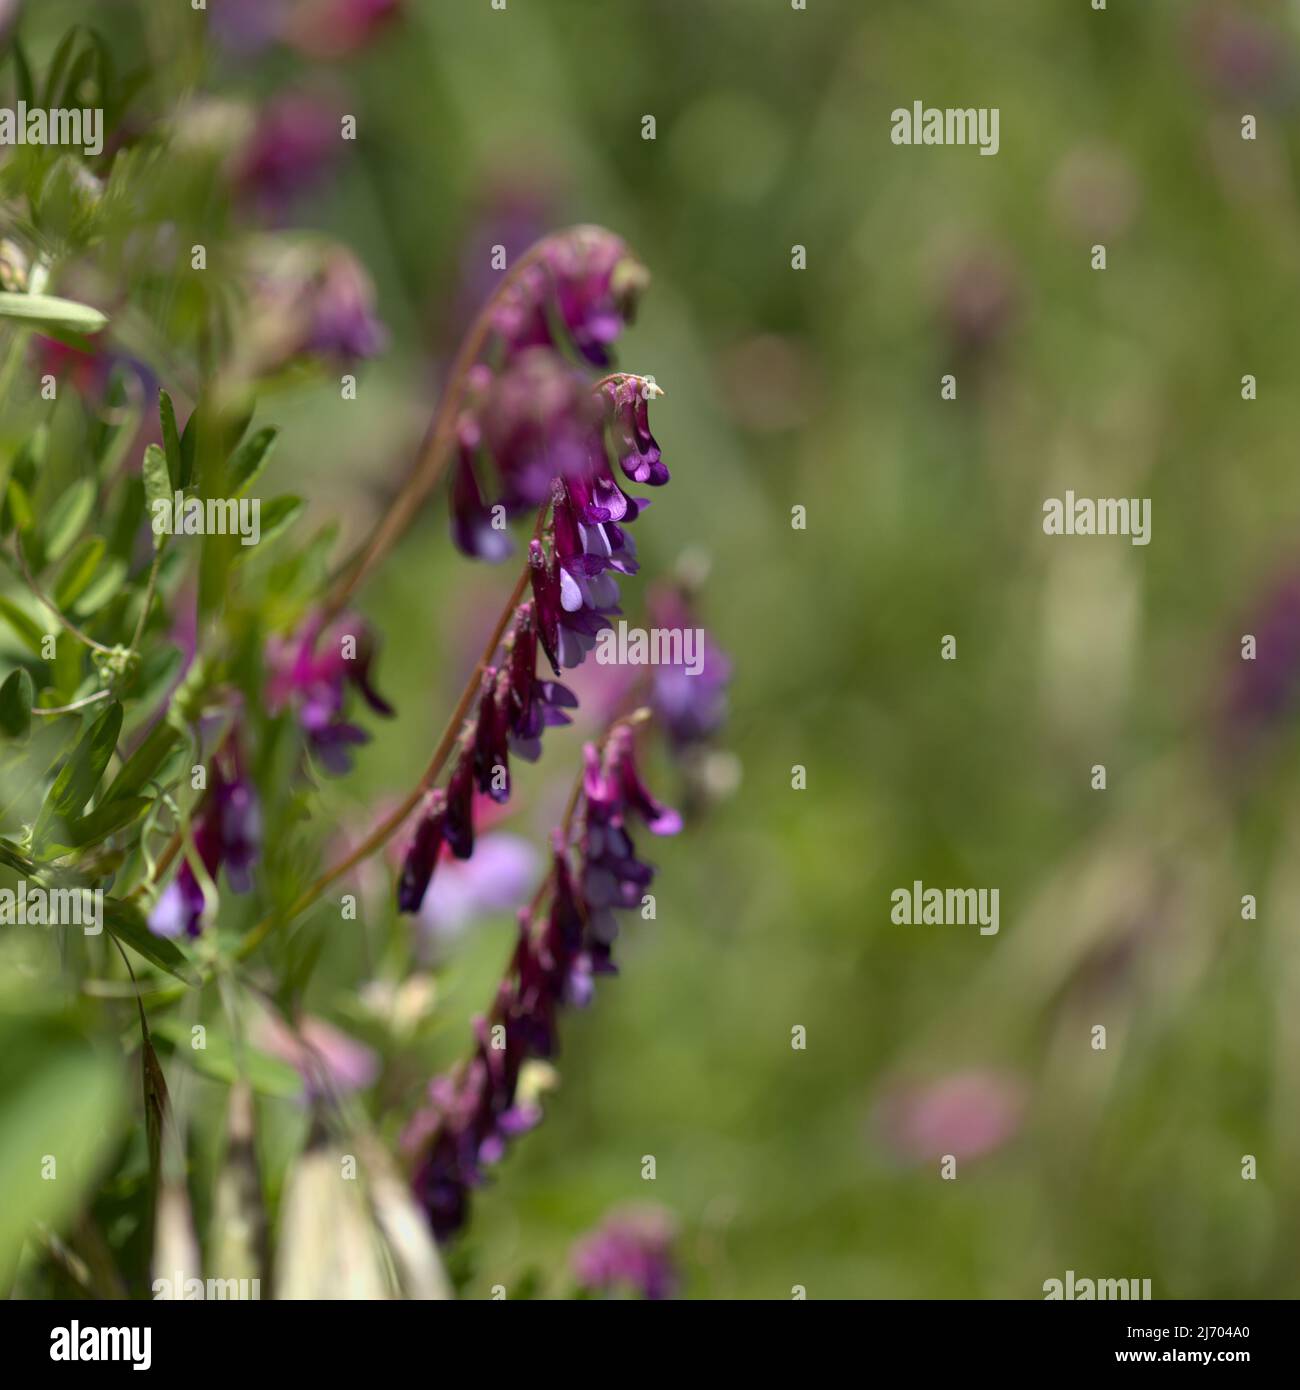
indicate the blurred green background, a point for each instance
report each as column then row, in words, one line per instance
column 820, row 388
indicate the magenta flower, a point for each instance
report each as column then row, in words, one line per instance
column 631, row 1252
column 587, row 283
column 311, row 672
column 292, row 144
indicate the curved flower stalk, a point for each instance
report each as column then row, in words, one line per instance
column 565, row 940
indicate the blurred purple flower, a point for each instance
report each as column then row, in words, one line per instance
column 247, row 27
column 968, row 1114
column 1263, row 691
column 497, row 879
column 311, row 672
column 291, row 146
column 630, row 1251
column 328, row 1060
column 227, row 831
column 1239, row 53
column 690, row 707
column 588, row 283
column 337, row 28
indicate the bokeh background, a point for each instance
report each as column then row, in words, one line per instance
column 820, row 388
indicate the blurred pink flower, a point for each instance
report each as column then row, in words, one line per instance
column 329, row 1061
column 968, row 1114
column 631, row 1251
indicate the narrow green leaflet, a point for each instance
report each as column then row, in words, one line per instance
column 171, row 437
column 76, row 783
column 141, row 766
column 78, row 571
column 157, row 488
column 249, row 460
column 16, row 705
column 48, row 311
column 66, row 518
column 23, row 624
column 126, row 922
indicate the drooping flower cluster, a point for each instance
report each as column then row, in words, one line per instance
column 475, row 1111
column 311, row 671
column 227, row 833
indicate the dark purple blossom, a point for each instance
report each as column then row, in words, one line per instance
column 474, row 1112
column 422, row 857
column 227, row 831
column 291, row 146
column 587, row 283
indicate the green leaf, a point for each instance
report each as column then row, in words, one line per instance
column 126, row 922
column 278, row 515
column 25, row 89
column 76, row 783
column 105, row 820
column 105, row 585
column 66, row 518
column 62, row 1097
column 140, row 767
column 157, row 489
column 23, row 624
column 18, row 507
column 249, row 460
column 171, row 437
column 16, row 705
column 78, row 571
column 48, row 312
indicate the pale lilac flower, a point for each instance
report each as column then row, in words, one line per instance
column 967, row 1114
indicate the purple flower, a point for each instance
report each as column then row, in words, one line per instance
column 499, row 876
column 342, row 320
column 308, row 300
column 292, row 144
column 311, row 672
column 631, row 1251
column 247, row 27
column 329, row 1061
column 587, row 283
column 474, row 1112
column 1262, row 692
column 422, row 857
column 227, row 831
column 337, row 28
column 690, row 705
